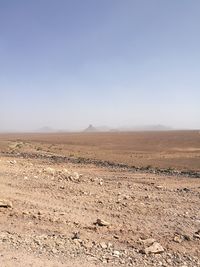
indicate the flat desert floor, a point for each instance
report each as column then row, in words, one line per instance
column 100, row 199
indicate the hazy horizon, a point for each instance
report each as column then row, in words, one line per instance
column 68, row 64
column 99, row 128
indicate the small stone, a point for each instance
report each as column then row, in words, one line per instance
column 25, row 213
column 159, row 187
column 103, row 245
column 50, row 171
column 76, row 235
column 196, row 236
column 116, row 253
column 186, row 189
column 187, row 237
column 5, row 204
column 169, row 261
column 148, row 242
column 88, row 244
column 178, row 239
column 110, row 245
column 101, row 222
column 66, row 171
column 13, row 162
column 76, row 176
column 156, row 248
column 54, row 250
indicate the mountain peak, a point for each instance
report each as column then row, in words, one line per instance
column 90, row 129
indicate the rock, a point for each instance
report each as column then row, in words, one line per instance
column 197, row 234
column 156, row 248
column 187, row 237
column 88, row 244
column 149, row 241
column 54, row 251
column 66, row 171
column 76, row 235
column 72, row 176
column 50, row 171
column 13, row 162
column 159, row 187
column 101, row 222
column 178, row 239
column 116, row 253
column 103, row 245
column 5, row 204
column 186, row 189
column 110, row 245
column 76, row 176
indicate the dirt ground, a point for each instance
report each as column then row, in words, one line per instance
column 172, row 149
column 59, row 212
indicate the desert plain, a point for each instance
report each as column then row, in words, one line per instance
column 100, row 199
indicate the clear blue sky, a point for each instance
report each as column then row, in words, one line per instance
column 68, row 63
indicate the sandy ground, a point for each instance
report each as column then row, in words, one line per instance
column 55, row 213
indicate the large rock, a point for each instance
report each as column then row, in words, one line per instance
column 156, row 248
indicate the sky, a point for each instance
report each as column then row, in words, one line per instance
column 66, row 64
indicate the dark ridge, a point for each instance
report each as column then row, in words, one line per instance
column 103, row 163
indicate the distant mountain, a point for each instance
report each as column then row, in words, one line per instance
column 90, row 129
column 103, row 129
column 45, row 129
column 95, row 129
column 158, row 127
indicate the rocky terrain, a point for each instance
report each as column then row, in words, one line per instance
column 71, row 211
